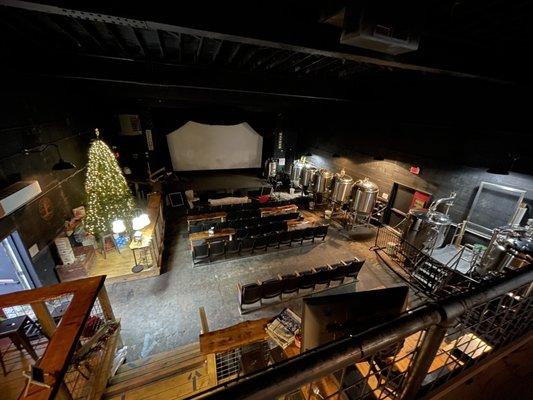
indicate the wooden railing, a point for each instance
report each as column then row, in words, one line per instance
column 64, row 338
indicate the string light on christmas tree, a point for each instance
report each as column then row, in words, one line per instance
column 108, row 195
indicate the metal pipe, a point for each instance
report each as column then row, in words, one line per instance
column 448, row 200
column 422, row 362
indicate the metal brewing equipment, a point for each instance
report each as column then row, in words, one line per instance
column 307, row 175
column 342, row 188
column 296, row 171
column 509, row 247
column 364, row 196
column 323, row 180
column 272, row 168
column 427, row 229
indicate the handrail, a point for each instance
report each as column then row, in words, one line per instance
column 62, row 344
column 291, row 374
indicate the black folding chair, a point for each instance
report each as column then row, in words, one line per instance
column 297, row 236
column 353, row 268
column 338, row 272
column 233, row 247
column 196, row 228
column 260, row 243
column 249, row 294
column 273, row 240
column 271, row 288
column 217, row 249
column 200, row 252
column 284, row 238
column 321, row 232
column 247, row 245
column 309, row 235
column 307, row 280
column 291, row 283
column 323, row 275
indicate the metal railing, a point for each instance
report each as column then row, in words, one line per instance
column 406, row 358
column 419, row 269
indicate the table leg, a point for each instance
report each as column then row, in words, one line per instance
column 2, row 363
column 23, row 340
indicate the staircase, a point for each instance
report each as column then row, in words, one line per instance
column 175, row 374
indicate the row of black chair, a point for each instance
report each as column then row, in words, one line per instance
column 252, row 293
column 240, row 223
column 212, row 251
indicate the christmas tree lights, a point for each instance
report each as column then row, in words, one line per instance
column 108, row 196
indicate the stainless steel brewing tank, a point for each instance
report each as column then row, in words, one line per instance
column 342, row 187
column 509, row 247
column 426, row 230
column 323, row 180
column 272, row 168
column 296, row 171
column 364, row 195
column 307, row 175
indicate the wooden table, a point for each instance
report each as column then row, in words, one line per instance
column 204, row 235
column 221, row 215
column 13, row 328
column 294, row 224
column 280, row 210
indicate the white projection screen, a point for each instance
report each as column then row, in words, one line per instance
column 199, row 147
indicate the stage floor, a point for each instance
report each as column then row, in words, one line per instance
column 219, row 181
column 117, row 266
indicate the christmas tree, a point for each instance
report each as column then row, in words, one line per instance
column 108, row 195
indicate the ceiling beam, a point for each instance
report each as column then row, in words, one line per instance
column 150, row 25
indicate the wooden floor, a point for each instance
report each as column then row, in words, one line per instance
column 12, row 384
column 117, row 266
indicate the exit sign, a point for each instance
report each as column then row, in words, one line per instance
column 414, row 170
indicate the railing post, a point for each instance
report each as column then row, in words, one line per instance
column 210, row 358
column 105, row 304
column 48, row 324
column 423, row 359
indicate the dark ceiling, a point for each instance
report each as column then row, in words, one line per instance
column 279, row 48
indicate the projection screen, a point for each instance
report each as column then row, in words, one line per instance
column 199, row 147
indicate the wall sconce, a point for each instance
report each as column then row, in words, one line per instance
column 61, row 165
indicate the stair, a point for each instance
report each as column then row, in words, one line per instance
column 173, row 374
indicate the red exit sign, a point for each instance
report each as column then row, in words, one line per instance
column 414, row 170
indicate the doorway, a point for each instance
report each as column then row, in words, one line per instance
column 14, row 267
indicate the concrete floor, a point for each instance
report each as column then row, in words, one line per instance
column 161, row 313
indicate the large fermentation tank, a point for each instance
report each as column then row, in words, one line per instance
column 426, row 229
column 364, row 196
column 509, row 247
column 307, row 175
column 323, row 180
column 342, row 188
column 296, row 171
column 272, row 168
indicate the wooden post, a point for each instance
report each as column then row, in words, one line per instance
column 105, row 304
column 211, row 361
column 107, row 310
column 45, row 319
column 203, row 321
